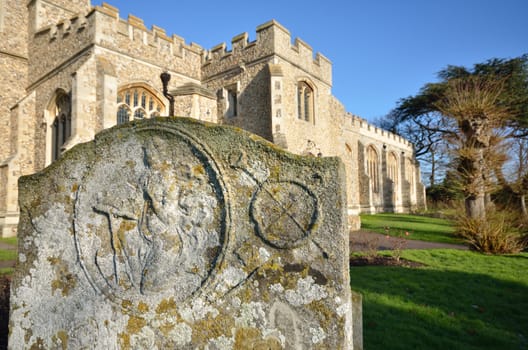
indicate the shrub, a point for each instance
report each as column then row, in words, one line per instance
column 492, row 235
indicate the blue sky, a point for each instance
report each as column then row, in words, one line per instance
column 381, row 50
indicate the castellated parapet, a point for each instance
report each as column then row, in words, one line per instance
column 364, row 128
column 102, row 26
column 273, row 39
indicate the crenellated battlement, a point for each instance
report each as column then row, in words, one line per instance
column 272, row 39
column 365, row 128
column 103, row 27
column 134, row 28
column 155, row 45
column 64, row 28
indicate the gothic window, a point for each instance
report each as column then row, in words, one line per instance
column 373, row 168
column 392, row 174
column 409, row 175
column 305, row 101
column 61, row 127
column 231, row 101
column 392, row 168
column 137, row 102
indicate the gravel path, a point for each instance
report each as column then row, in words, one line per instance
column 365, row 240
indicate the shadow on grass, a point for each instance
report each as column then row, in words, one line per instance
column 432, row 309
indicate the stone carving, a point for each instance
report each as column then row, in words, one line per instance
column 156, row 225
column 285, row 213
column 172, row 234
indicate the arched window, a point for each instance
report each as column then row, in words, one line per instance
column 410, row 175
column 392, row 174
column 392, row 168
column 61, row 127
column 305, row 101
column 373, row 168
column 137, row 102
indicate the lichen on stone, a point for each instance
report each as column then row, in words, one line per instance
column 306, row 292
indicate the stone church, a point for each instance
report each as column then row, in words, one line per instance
column 69, row 70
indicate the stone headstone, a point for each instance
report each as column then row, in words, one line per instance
column 172, row 234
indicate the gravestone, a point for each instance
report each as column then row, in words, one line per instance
column 173, row 234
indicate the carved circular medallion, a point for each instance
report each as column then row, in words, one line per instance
column 150, row 216
column 285, row 213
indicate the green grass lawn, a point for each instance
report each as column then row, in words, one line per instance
column 459, row 300
column 8, row 254
column 422, row 228
column 9, row 240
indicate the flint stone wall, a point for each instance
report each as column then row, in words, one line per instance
column 169, row 233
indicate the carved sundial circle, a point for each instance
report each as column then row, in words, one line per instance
column 285, row 213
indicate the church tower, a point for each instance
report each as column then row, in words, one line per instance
column 13, row 80
column 22, row 22
column 13, row 64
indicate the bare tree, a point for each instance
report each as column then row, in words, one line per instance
column 472, row 102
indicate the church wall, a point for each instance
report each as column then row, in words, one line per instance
column 242, row 70
column 13, row 81
column 384, row 143
column 13, row 74
column 352, row 157
column 45, row 92
column 197, row 107
column 253, row 97
column 55, row 47
column 50, row 12
column 13, row 24
column 13, row 66
column 19, row 163
column 317, row 135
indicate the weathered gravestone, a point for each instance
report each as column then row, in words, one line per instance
column 172, row 234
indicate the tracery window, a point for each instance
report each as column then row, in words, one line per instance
column 392, row 174
column 392, row 168
column 373, row 168
column 61, row 127
column 137, row 102
column 305, row 101
column 410, row 175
